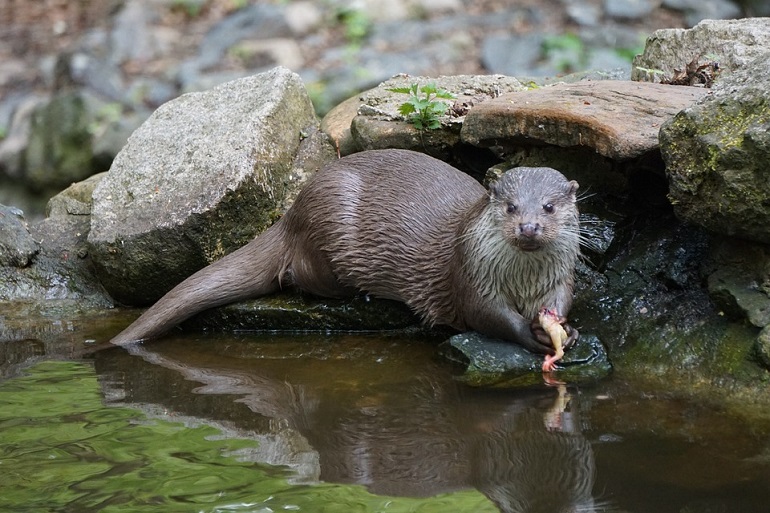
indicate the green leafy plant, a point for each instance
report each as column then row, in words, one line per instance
column 423, row 108
column 356, row 24
column 565, row 51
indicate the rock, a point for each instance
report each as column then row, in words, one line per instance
column 131, row 37
column 496, row 362
column 303, row 16
column 519, row 55
column 264, row 20
column 47, row 260
column 383, row 10
column 629, row 9
column 697, row 10
column 739, row 279
column 201, row 177
column 762, row 347
column 111, row 126
column 739, row 296
column 618, row 119
column 336, row 124
column 582, row 13
column 16, row 139
column 76, row 199
column 434, row 6
column 716, row 155
column 17, row 247
column 97, row 74
column 292, row 312
column 649, row 306
column 756, row 7
column 733, row 43
column 59, row 151
column 380, row 125
column 259, row 53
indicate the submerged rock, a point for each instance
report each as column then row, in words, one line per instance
column 201, row 177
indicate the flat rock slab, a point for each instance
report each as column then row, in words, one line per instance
column 617, row 118
column 492, row 362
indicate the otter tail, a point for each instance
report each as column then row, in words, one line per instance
column 251, row 271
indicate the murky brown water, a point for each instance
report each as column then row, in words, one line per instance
column 383, row 412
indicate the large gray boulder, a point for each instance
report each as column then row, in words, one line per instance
column 717, row 154
column 200, row 178
column 732, row 43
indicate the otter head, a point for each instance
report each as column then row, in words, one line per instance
column 535, row 206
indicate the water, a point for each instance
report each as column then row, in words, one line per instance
column 346, row 423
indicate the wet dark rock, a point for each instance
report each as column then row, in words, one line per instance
column 17, row 247
column 733, row 43
column 49, row 259
column 617, row 119
column 739, row 296
column 204, row 175
column 296, row 313
column 650, row 307
column 716, row 155
column 739, row 280
column 489, row 362
column 762, row 347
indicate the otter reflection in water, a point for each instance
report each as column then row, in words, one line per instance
column 374, row 412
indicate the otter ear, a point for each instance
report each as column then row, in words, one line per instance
column 573, row 187
column 494, row 189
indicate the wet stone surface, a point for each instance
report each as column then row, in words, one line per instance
column 492, row 362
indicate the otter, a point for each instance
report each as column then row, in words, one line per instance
column 402, row 225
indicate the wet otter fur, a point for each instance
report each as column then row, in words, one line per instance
column 402, row 225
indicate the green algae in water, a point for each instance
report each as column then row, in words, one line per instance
column 63, row 450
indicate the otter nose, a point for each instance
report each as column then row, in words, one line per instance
column 529, row 229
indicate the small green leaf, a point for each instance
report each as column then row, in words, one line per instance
column 406, row 108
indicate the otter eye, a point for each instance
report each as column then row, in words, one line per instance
column 549, row 208
column 511, row 208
